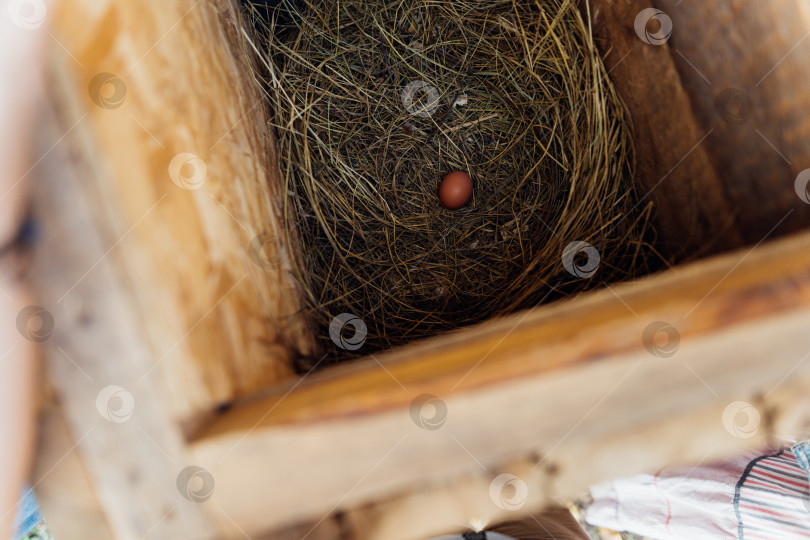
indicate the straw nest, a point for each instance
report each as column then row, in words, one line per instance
column 374, row 101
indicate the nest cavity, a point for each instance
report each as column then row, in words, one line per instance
column 374, row 102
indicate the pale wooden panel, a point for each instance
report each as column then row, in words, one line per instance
column 574, row 371
column 219, row 324
column 568, row 469
column 133, row 455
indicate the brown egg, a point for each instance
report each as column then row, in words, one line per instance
column 455, row 190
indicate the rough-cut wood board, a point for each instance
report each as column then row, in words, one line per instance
column 570, row 468
column 220, row 325
column 716, row 185
column 98, row 341
column 346, row 437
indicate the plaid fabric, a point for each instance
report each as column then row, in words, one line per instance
column 771, row 497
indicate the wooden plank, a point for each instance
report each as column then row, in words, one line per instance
column 214, row 294
column 523, row 384
column 567, row 470
column 98, row 352
column 717, row 110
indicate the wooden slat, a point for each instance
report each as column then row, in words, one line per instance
column 520, row 385
column 567, row 470
column 221, row 322
column 718, row 181
column 97, row 342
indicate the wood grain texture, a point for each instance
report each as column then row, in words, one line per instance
column 567, row 470
column 521, row 385
column 218, row 309
column 718, row 112
column 131, row 447
column 152, row 288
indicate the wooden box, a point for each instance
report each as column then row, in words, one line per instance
column 172, row 341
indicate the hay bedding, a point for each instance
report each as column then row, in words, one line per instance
column 375, row 101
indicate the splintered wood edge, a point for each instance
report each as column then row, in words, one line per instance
column 519, row 385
